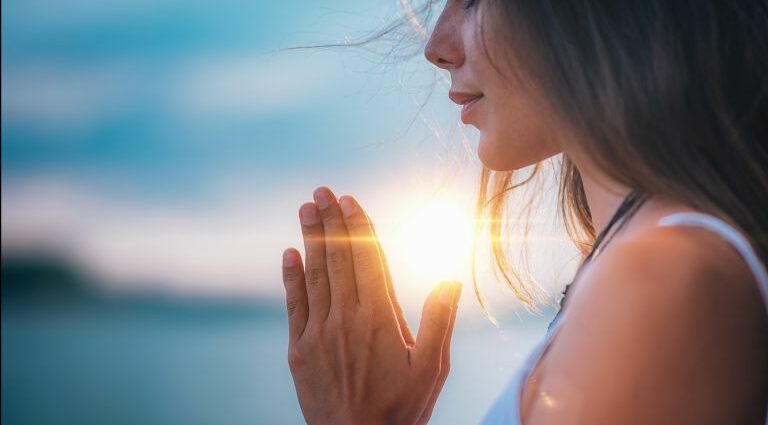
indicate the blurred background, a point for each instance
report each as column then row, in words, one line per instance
column 154, row 156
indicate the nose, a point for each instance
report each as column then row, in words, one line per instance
column 444, row 48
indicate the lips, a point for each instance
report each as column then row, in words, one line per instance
column 468, row 101
column 462, row 98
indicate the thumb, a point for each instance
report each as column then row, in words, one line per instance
column 435, row 321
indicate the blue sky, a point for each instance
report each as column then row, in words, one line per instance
column 174, row 91
column 166, row 146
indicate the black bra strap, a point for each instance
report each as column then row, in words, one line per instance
column 624, row 212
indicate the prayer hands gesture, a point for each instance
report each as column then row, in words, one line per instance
column 352, row 356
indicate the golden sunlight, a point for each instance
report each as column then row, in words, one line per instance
column 432, row 242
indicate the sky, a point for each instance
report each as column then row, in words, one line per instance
column 165, row 146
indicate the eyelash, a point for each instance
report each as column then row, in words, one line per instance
column 466, row 4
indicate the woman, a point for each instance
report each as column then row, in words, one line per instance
column 660, row 110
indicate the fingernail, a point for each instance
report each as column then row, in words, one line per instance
column 347, row 206
column 323, row 197
column 308, row 214
column 290, row 258
column 446, row 294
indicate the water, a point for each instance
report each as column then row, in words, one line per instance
column 164, row 363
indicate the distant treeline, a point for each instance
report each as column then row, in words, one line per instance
column 52, row 284
column 43, row 275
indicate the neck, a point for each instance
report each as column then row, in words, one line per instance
column 604, row 196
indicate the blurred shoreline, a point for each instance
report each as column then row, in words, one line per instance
column 74, row 354
column 40, row 283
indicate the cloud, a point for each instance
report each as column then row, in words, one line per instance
column 230, row 249
column 68, row 98
column 252, row 86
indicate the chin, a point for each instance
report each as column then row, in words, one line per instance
column 508, row 156
column 497, row 159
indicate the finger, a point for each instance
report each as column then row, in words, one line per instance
column 369, row 270
column 445, row 355
column 295, row 294
column 404, row 329
column 445, row 367
column 315, row 273
column 435, row 321
column 338, row 253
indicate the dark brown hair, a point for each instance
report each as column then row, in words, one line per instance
column 670, row 98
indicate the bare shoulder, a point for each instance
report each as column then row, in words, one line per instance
column 665, row 327
column 682, row 267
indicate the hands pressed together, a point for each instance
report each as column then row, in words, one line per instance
column 351, row 353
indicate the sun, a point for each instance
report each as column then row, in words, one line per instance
column 432, row 241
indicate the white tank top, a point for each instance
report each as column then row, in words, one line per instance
column 506, row 409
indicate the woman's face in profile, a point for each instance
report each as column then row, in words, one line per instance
column 515, row 126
